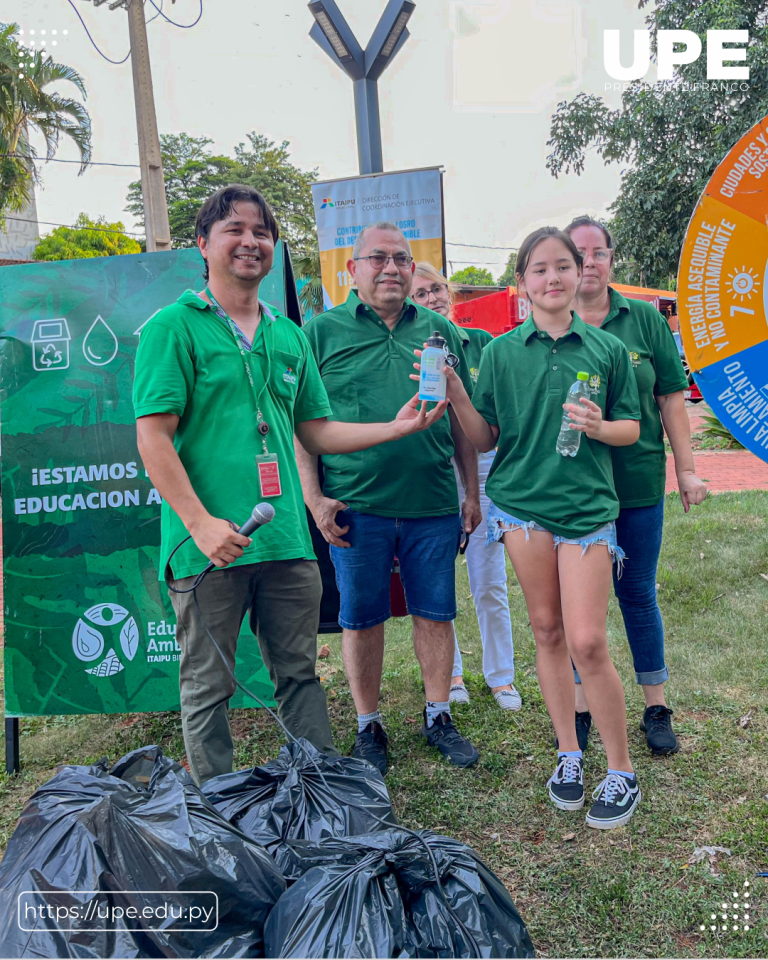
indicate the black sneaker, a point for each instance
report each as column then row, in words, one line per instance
column 658, row 731
column 566, row 785
column 616, row 799
column 371, row 745
column 444, row 735
column 583, row 726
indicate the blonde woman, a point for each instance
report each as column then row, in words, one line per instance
column 485, row 564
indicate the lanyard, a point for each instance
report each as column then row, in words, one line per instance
column 263, row 426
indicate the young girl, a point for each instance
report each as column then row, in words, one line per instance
column 555, row 514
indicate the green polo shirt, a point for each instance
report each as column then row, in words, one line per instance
column 474, row 340
column 188, row 364
column 365, row 369
column 523, row 383
column 640, row 471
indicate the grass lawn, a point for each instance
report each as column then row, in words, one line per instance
column 629, row 892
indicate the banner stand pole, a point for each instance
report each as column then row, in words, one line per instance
column 12, row 759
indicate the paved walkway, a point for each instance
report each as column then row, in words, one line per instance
column 723, row 470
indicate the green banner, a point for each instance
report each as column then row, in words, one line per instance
column 88, row 626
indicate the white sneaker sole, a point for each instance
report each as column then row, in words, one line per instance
column 566, row 804
column 618, row 822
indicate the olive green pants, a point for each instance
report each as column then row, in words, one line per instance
column 283, row 597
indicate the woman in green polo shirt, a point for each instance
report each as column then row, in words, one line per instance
column 542, row 500
column 640, row 471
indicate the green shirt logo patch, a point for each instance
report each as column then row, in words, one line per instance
column 289, row 376
column 594, row 382
column 635, row 358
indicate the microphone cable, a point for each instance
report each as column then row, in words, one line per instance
column 168, row 576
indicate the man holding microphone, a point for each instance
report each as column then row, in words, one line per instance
column 222, row 382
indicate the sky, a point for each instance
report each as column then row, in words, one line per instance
column 473, row 90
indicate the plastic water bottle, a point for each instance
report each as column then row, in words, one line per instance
column 432, row 383
column 568, row 440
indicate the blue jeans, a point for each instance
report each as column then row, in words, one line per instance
column 426, row 548
column 639, row 531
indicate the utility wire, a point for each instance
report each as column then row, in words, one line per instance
column 91, row 163
column 477, row 246
column 70, row 226
column 184, row 26
column 95, row 45
column 159, row 12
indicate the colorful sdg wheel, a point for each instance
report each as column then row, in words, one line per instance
column 722, row 291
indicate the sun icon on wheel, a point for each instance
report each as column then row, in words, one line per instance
column 743, row 283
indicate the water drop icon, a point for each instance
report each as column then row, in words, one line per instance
column 100, row 344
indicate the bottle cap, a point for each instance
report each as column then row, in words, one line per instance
column 436, row 340
column 582, row 376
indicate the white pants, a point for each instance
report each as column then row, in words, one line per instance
column 488, row 584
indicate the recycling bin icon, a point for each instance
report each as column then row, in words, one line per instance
column 50, row 344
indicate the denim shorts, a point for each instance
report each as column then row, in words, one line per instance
column 426, row 548
column 500, row 523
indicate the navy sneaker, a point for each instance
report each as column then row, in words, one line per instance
column 566, row 785
column 616, row 799
column 583, row 726
column 657, row 727
column 371, row 745
column 444, row 735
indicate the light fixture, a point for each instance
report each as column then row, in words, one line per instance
column 364, row 68
column 324, row 18
column 396, row 32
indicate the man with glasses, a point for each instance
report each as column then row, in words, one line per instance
column 400, row 499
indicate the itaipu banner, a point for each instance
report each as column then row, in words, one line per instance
column 723, row 291
column 412, row 199
column 88, row 626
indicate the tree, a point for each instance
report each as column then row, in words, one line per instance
column 88, row 238
column 192, row 173
column 670, row 135
column 25, row 106
column 509, row 278
column 307, row 267
column 473, row 277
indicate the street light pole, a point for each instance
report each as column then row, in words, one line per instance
column 368, row 126
column 364, row 67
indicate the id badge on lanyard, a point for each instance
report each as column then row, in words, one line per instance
column 267, row 464
column 268, row 468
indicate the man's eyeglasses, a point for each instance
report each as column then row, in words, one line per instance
column 378, row 260
column 599, row 256
column 437, row 290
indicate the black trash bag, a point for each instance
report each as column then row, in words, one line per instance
column 286, row 799
column 377, row 896
column 96, row 841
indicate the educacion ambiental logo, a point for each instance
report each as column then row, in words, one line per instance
column 677, row 48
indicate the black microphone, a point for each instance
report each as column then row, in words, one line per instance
column 262, row 513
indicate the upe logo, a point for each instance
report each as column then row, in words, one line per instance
column 327, row 202
column 88, row 642
column 668, row 57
